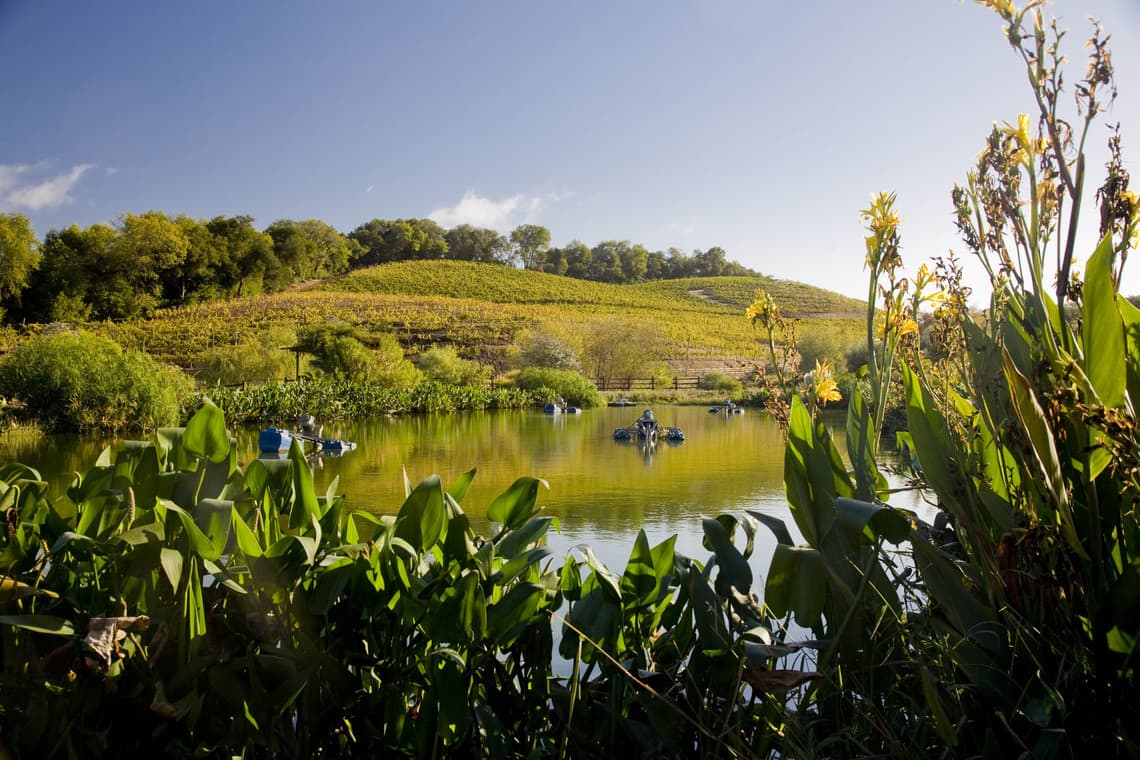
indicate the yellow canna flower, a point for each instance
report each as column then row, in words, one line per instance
column 763, row 310
column 824, row 386
column 909, row 327
column 1004, row 7
column 1133, row 200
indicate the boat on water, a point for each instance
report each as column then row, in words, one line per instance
column 728, row 407
column 645, row 428
column 556, row 409
column 622, row 402
column 275, row 440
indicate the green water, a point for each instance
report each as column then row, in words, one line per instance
column 602, row 491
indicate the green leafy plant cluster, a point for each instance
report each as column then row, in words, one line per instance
column 75, row 381
column 338, row 350
column 718, row 381
column 260, row 357
column 444, row 365
column 548, row 385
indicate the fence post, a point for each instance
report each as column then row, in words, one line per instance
column 675, row 378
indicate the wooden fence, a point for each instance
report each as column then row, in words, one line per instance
column 678, row 382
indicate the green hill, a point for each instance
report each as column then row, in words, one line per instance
column 499, row 284
column 481, row 308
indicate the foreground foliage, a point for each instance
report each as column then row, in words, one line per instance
column 174, row 602
column 1009, row 626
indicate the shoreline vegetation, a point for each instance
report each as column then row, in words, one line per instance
column 172, row 601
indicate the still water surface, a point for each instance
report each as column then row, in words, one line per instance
column 602, row 491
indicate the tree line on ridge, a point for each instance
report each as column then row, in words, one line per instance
column 146, row 261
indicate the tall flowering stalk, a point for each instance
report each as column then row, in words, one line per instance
column 780, row 335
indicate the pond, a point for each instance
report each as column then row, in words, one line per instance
column 602, row 491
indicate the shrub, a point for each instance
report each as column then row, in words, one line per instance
column 81, row 382
column 340, row 353
column 260, row 358
column 615, row 348
column 719, row 381
column 543, row 350
column 828, row 346
column 571, row 386
column 445, row 365
column 661, row 377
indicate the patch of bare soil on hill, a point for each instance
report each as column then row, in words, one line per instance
column 707, row 296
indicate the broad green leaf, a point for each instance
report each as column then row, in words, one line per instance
column 1103, row 330
column 1001, row 472
column 873, row 520
column 206, row 435
column 199, row 542
column 862, row 441
column 593, row 618
column 517, row 565
column 932, row 447
column 711, row 626
column 570, row 579
column 466, row 610
column 1130, row 316
column 244, row 537
column 808, row 478
column 1123, row 606
column 797, row 583
column 603, row 576
column 256, row 479
column 507, row 618
column 732, row 569
column 305, row 509
column 1044, row 451
column 951, row 590
column 776, row 525
column 213, row 517
column 640, row 577
column 516, row 540
column 55, row 626
column 73, row 541
column 422, row 519
column 458, row 489
column 171, row 560
column 516, row 505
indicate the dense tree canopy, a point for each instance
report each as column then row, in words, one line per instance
column 19, row 252
column 149, row 260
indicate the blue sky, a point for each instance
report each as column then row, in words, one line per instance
column 760, row 127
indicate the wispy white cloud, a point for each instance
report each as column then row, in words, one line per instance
column 20, row 188
column 370, row 188
column 500, row 215
column 10, row 176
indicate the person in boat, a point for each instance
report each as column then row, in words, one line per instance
column 307, row 426
column 646, row 423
